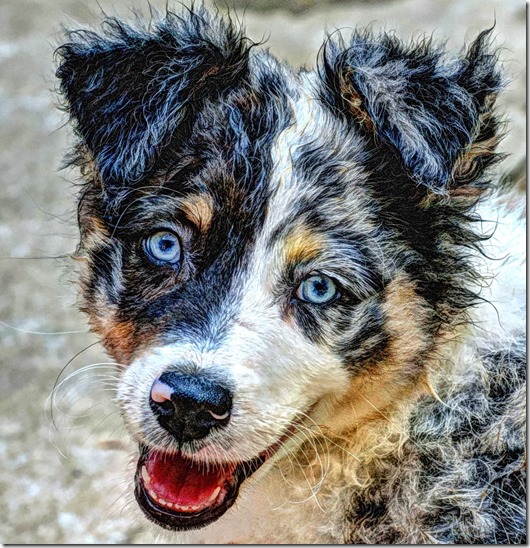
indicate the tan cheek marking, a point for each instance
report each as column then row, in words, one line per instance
column 373, row 393
column 198, row 209
column 301, row 245
column 370, row 396
column 120, row 338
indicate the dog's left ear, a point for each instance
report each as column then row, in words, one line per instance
column 436, row 112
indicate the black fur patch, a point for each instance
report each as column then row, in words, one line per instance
column 131, row 92
column 148, row 106
column 427, row 107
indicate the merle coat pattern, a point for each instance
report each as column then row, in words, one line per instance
column 395, row 409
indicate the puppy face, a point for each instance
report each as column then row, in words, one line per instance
column 267, row 251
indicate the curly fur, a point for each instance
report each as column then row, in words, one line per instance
column 407, row 391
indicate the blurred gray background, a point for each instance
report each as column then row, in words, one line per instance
column 62, row 478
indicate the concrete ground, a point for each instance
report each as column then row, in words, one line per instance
column 62, row 478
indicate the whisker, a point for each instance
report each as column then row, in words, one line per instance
column 29, row 332
column 75, row 398
column 85, row 369
column 63, row 369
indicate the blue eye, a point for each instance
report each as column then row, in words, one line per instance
column 163, row 247
column 317, row 289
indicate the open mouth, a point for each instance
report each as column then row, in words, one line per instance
column 178, row 493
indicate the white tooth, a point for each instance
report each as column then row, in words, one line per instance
column 162, row 502
column 213, row 496
column 145, row 475
column 170, row 504
column 184, row 508
column 152, row 494
column 195, row 508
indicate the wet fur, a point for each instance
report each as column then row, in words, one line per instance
column 374, row 168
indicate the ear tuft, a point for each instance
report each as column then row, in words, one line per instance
column 129, row 91
column 436, row 111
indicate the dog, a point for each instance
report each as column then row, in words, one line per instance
column 310, row 281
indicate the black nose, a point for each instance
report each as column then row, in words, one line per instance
column 189, row 406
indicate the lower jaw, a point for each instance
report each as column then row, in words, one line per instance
column 185, row 521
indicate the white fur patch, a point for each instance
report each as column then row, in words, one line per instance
column 503, row 315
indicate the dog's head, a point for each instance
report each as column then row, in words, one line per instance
column 266, row 251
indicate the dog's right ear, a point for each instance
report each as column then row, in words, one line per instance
column 130, row 91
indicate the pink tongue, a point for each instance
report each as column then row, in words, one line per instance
column 181, row 481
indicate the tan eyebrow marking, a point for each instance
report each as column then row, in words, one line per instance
column 198, row 209
column 302, row 244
